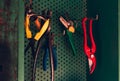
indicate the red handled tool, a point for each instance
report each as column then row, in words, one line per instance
column 89, row 51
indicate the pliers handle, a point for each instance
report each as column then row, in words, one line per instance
column 46, row 55
column 89, row 51
column 34, row 17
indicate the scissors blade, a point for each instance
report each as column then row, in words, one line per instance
column 64, row 22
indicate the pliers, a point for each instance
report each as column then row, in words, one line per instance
column 34, row 17
column 89, row 51
column 38, row 35
column 50, row 48
column 31, row 16
column 70, row 29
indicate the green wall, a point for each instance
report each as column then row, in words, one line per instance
column 119, row 34
column 106, row 36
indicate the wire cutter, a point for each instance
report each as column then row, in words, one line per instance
column 89, row 51
column 70, row 29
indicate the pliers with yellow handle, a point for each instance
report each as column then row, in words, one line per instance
column 38, row 25
column 39, row 34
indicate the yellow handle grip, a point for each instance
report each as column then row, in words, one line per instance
column 71, row 29
column 27, row 28
column 42, row 31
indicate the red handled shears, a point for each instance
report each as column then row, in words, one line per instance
column 89, row 51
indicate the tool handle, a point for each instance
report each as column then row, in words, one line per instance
column 64, row 22
column 42, row 31
column 85, row 44
column 51, row 43
column 54, row 52
column 27, row 28
column 35, row 61
column 45, row 59
column 93, row 46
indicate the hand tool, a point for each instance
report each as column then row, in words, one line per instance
column 67, row 24
column 37, row 50
column 89, row 51
column 33, row 17
column 50, row 48
column 70, row 30
column 37, row 36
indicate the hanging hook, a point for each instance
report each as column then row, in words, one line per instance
column 94, row 19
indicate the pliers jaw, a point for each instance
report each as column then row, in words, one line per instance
column 92, row 63
column 91, row 59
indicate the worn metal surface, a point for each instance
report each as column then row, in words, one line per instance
column 8, row 40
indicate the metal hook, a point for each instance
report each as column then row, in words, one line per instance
column 96, row 18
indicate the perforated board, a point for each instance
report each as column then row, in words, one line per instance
column 70, row 67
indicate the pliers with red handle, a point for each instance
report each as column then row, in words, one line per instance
column 89, row 51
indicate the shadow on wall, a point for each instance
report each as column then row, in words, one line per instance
column 5, row 61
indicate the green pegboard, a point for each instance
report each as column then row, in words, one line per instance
column 70, row 68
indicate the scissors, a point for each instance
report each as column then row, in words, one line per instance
column 70, row 29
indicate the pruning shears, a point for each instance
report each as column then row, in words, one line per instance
column 89, row 51
column 70, row 29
